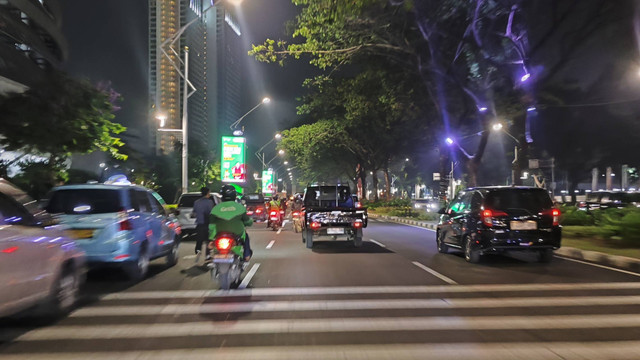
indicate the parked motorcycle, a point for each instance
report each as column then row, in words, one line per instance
column 228, row 261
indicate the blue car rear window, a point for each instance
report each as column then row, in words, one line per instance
column 84, row 201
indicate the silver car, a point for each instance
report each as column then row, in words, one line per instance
column 38, row 263
column 185, row 214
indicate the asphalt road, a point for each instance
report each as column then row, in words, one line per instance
column 394, row 298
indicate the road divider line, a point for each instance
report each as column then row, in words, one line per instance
column 326, row 325
column 378, row 243
column 593, row 350
column 363, row 290
column 279, row 230
column 434, row 273
column 249, row 276
column 417, row 227
column 598, row 265
column 359, row 304
column 270, row 245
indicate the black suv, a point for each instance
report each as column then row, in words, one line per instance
column 256, row 208
column 496, row 219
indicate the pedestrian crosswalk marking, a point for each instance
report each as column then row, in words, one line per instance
column 622, row 350
column 333, row 325
column 334, row 305
column 362, row 290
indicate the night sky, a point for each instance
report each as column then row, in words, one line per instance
column 108, row 41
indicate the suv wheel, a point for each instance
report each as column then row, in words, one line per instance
column 470, row 254
column 172, row 256
column 138, row 270
column 64, row 293
column 442, row 247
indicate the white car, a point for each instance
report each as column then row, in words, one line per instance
column 38, row 263
column 185, row 214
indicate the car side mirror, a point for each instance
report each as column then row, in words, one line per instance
column 442, row 211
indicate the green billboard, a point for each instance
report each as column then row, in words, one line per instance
column 233, row 167
column 268, row 182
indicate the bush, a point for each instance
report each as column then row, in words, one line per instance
column 572, row 216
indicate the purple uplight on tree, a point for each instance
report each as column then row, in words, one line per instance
column 525, row 77
column 531, row 109
column 483, row 109
column 449, row 141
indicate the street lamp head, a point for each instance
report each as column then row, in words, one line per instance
column 278, row 136
column 162, row 118
column 483, row 109
column 531, row 109
column 407, row 159
column 449, row 141
column 280, row 152
column 238, row 133
column 286, row 163
column 497, row 126
column 266, row 100
column 525, row 77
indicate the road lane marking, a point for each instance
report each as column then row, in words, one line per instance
column 328, row 325
column 593, row 350
column 363, row 290
column 359, row 304
column 279, row 231
column 378, row 243
column 598, row 265
column 417, row 227
column 434, row 273
column 270, row 245
column 249, row 276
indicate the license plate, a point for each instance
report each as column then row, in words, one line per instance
column 274, row 219
column 335, row 231
column 524, row 225
column 80, row 234
column 223, row 258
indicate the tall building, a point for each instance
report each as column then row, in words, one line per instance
column 31, row 42
column 214, row 47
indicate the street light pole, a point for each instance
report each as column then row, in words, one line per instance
column 185, row 142
column 237, row 122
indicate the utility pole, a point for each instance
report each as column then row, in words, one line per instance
column 185, row 118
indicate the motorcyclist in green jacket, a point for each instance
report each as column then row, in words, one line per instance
column 230, row 216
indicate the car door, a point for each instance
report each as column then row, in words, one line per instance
column 458, row 212
column 20, row 262
column 162, row 235
column 145, row 218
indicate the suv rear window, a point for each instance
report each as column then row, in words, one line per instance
column 84, row 201
column 188, row 200
column 531, row 200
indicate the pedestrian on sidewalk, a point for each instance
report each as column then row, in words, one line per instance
column 202, row 209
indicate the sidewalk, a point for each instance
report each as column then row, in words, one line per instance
column 619, row 262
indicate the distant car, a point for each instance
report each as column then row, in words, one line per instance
column 497, row 219
column 429, row 205
column 256, row 207
column 609, row 199
column 122, row 226
column 38, row 263
column 185, row 214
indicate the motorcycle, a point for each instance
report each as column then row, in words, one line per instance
column 228, row 261
column 297, row 221
column 275, row 219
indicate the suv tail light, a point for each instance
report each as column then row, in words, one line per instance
column 556, row 217
column 224, row 245
column 489, row 215
column 125, row 225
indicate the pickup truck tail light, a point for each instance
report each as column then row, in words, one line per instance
column 556, row 217
column 315, row 225
column 489, row 215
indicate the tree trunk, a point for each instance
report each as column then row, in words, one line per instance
column 361, row 178
column 474, row 163
column 387, row 183
column 374, row 180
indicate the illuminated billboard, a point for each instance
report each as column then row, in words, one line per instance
column 233, row 167
column 268, row 182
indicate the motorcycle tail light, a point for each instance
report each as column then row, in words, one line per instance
column 258, row 211
column 357, row 224
column 315, row 225
column 224, row 245
column 249, row 212
column 273, row 213
column 296, row 214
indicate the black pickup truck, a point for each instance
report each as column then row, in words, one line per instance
column 331, row 212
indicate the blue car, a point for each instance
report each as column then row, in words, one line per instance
column 125, row 226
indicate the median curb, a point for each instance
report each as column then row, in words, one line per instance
column 614, row 261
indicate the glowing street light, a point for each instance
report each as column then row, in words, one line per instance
column 497, row 126
column 525, row 77
column 280, row 152
column 449, row 141
column 162, row 118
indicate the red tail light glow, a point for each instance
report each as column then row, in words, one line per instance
column 556, row 217
column 258, row 211
column 224, row 244
column 273, row 213
column 10, row 250
column 249, row 212
column 315, row 225
column 357, row 224
column 125, row 225
column 488, row 215
column 121, row 257
column 296, row 214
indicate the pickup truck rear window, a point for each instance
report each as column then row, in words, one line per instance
column 326, row 196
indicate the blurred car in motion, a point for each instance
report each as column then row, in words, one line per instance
column 256, row 207
column 497, row 219
column 124, row 226
column 38, row 264
column 184, row 211
column 609, row 199
column 428, row 205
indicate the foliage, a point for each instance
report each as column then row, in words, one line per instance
column 60, row 116
column 619, row 227
column 37, row 177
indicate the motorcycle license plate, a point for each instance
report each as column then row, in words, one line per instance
column 218, row 258
column 274, row 219
column 335, row 231
column 524, row 225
